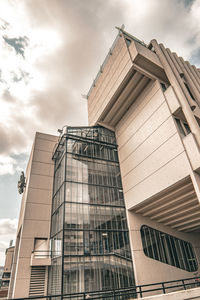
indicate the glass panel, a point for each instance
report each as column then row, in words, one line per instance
column 182, row 132
column 55, row 277
column 189, row 91
column 56, row 245
column 187, row 128
column 58, row 198
column 57, row 221
column 93, row 273
column 168, row 249
column 93, row 133
column 96, row 249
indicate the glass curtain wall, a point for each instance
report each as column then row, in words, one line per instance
column 89, row 233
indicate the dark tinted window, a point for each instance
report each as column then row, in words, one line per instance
column 168, row 249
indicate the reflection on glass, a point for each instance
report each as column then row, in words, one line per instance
column 88, row 196
column 168, row 249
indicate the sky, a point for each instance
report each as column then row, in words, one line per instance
column 50, row 53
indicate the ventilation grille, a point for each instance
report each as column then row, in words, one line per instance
column 37, row 282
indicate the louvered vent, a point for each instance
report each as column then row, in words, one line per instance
column 37, row 282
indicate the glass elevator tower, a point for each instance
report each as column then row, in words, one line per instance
column 89, row 235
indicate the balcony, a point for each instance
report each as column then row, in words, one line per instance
column 176, row 206
column 127, row 70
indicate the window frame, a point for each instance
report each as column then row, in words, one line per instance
column 183, row 127
column 171, row 250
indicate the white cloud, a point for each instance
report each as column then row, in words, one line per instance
column 7, row 166
column 8, row 229
column 169, row 21
column 8, row 226
column 67, row 42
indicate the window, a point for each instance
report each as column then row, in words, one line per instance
column 128, row 42
column 89, row 232
column 189, row 91
column 6, row 275
column 187, row 87
column 163, row 86
column 41, row 248
column 198, row 120
column 183, row 127
column 168, row 249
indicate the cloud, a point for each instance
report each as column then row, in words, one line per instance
column 1, row 80
column 19, row 44
column 8, row 226
column 172, row 22
column 10, row 165
column 52, row 50
column 7, row 165
column 86, row 29
column 85, row 41
column 195, row 59
column 43, row 91
column 13, row 139
column 3, row 24
column 21, row 75
column 65, row 44
column 8, row 229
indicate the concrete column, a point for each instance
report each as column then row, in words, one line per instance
column 81, row 279
column 196, row 71
column 188, row 77
column 174, row 60
column 179, row 88
column 193, row 73
column 178, row 78
column 191, row 77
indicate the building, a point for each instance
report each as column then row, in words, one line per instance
column 139, row 153
column 31, row 259
column 1, row 273
column 89, row 215
column 8, row 266
column 6, row 272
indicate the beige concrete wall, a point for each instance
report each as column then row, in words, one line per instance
column 152, row 158
column 35, row 212
column 151, row 153
column 20, row 222
column 148, row 270
column 179, row 73
column 114, row 72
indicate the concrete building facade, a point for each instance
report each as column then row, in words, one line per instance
column 89, row 232
column 32, row 257
column 150, row 99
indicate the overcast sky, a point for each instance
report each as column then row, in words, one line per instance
column 50, row 52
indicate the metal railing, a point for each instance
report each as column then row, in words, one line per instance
column 127, row 293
